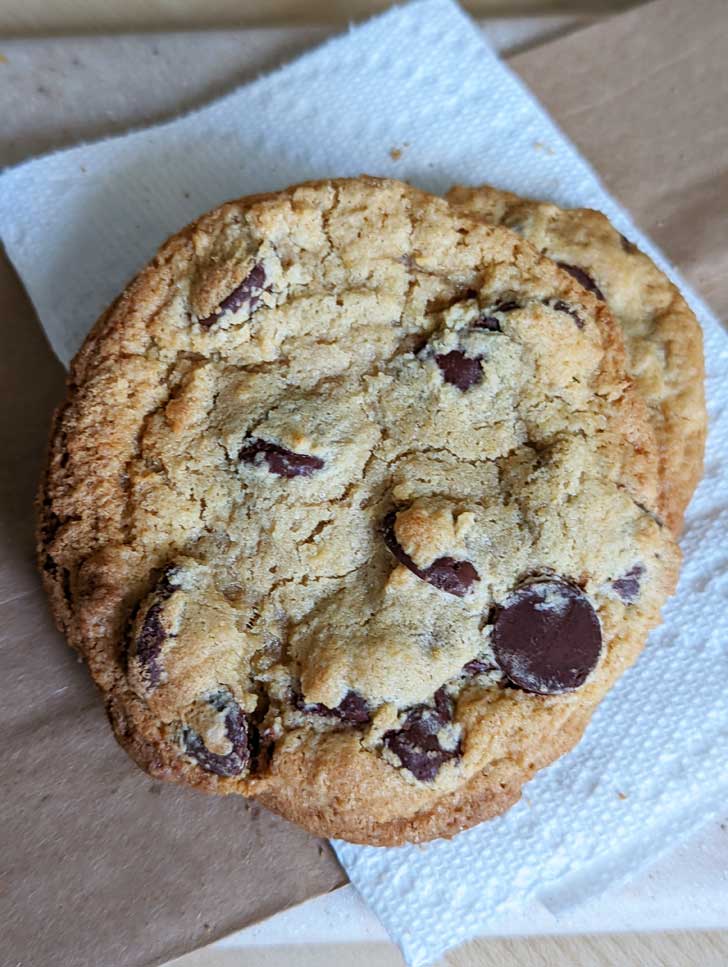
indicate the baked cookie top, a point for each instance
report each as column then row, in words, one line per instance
column 663, row 339
column 349, row 497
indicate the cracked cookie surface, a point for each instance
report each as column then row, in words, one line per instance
column 663, row 338
column 324, row 471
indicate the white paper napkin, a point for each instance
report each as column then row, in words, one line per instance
column 79, row 223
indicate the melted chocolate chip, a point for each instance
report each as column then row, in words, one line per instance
column 547, row 637
column 249, row 291
column 569, row 310
column 352, row 709
column 583, row 278
column 446, row 573
column 628, row 586
column 238, row 733
column 280, row 461
column 460, row 370
column 417, row 745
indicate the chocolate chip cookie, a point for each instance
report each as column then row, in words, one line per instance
column 321, row 507
column 663, row 338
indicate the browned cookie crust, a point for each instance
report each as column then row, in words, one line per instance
column 323, row 470
column 663, row 338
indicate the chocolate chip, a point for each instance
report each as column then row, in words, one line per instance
column 352, row 709
column 149, row 644
column 151, row 638
column 485, row 321
column 479, row 667
column 460, row 370
column 446, row 573
column 547, row 637
column 560, row 306
column 249, row 290
column 237, row 732
column 444, row 704
column 629, row 247
column 628, row 586
column 280, row 461
column 583, row 278
column 416, row 743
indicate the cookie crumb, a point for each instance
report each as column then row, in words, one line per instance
column 540, row 146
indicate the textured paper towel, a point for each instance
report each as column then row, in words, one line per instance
column 79, row 223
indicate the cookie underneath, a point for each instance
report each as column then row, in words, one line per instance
column 663, row 338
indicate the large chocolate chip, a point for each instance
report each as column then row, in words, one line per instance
column 445, row 573
column 561, row 306
column 547, row 637
column 238, row 733
column 249, row 290
column 417, row 745
column 583, row 278
column 460, row 370
column 628, row 586
column 352, row 709
column 280, row 461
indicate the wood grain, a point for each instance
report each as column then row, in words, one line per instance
column 26, row 17
column 684, row 949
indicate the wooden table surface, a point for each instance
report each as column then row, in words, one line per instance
column 44, row 16
column 40, row 17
